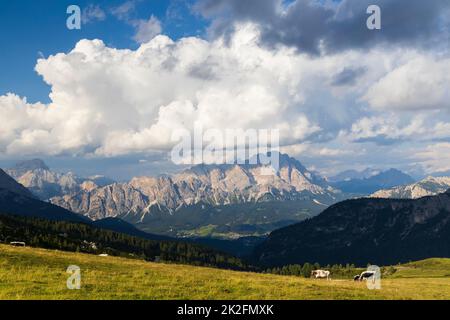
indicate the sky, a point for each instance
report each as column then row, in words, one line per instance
column 107, row 99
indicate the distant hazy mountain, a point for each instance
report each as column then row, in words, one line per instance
column 353, row 174
column 45, row 184
column 382, row 180
column 8, row 183
column 145, row 199
column 361, row 231
column 441, row 174
column 427, row 187
column 23, row 167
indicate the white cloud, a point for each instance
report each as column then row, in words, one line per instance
column 421, row 83
column 441, row 130
column 435, row 157
column 147, row 30
column 386, row 128
column 92, row 13
column 389, row 127
column 123, row 11
column 109, row 102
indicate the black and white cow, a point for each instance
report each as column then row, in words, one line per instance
column 366, row 275
column 320, row 274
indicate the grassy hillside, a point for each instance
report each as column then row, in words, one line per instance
column 86, row 238
column 28, row 273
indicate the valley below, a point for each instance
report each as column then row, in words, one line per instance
column 229, row 222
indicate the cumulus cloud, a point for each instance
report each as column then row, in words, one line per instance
column 110, row 102
column 421, row 83
column 346, row 107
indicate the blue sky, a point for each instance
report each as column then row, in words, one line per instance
column 342, row 96
column 30, row 29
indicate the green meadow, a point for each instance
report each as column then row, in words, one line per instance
column 29, row 273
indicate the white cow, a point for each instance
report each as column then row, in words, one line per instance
column 18, row 244
column 321, row 274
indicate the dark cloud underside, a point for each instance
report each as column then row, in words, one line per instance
column 315, row 27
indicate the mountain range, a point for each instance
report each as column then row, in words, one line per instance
column 19, row 209
column 351, row 174
column 36, row 223
column 362, row 231
column 45, row 183
column 17, row 200
column 359, row 231
column 220, row 201
column 204, row 193
column 427, row 187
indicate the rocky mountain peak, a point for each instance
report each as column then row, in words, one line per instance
column 22, row 167
column 214, row 185
column 45, row 184
column 8, row 183
column 427, row 187
column 31, row 165
column 287, row 161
